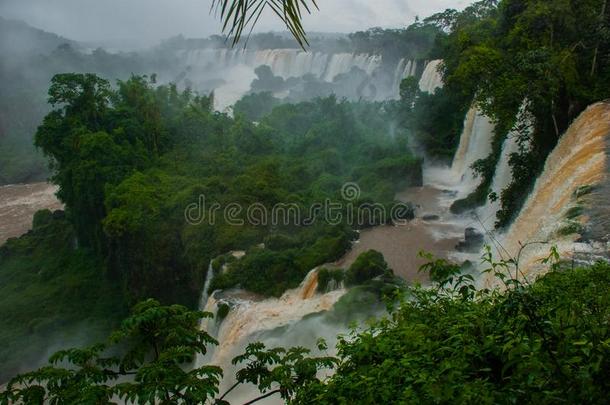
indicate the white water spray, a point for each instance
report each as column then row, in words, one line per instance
column 503, row 174
column 579, row 159
column 229, row 72
column 405, row 68
column 431, row 78
column 250, row 314
column 475, row 144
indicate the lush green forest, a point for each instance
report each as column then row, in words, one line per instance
column 52, row 295
column 541, row 343
column 128, row 161
column 128, row 158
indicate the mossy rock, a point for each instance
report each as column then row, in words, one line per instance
column 571, row 228
column 223, row 311
column 574, row 212
column 584, row 190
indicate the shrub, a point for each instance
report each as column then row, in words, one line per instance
column 367, row 266
column 328, row 276
column 546, row 342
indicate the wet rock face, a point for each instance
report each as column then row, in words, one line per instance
column 473, row 241
column 431, row 217
column 417, row 176
column 408, row 214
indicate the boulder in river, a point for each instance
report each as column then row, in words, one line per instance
column 473, row 241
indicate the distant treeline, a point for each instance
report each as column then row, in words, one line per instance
column 413, row 42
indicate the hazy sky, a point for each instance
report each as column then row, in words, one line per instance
column 145, row 22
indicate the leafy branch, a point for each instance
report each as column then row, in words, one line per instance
column 158, row 345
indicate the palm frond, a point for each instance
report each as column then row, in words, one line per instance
column 240, row 15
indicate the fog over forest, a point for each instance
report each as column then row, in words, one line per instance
column 138, row 23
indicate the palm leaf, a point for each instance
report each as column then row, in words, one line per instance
column 239, row 15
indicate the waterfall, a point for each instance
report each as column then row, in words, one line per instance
column 410, row 69
column 503, row 174
column 253, row 318
column 399, row 74
column 431, row 78
column 578, row 160
column 475, row 144
column 405, row 68
column 206, row 304
column 203, row 301
column 230, row 72
column 343, row 63
column 250, row 314
column 283, row 62
column 459, row 159
column 286, row 321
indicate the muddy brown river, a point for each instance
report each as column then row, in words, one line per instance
column 401, row 244
column 19, row 202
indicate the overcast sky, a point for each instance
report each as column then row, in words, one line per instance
column 145, row 22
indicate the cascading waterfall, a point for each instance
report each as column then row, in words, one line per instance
column 206, row 286
column 431, row 78
column 405, row 68
column 578, row 163
column 276, row 322
column 475, row 144
column 249, row 315
column 503, row 174
column 343, row 63
column 207, row 304
column 284, row 62
column 230, row 72
column 580, row 159
column 410, row 69
column 459, row 179
column 459, row 165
